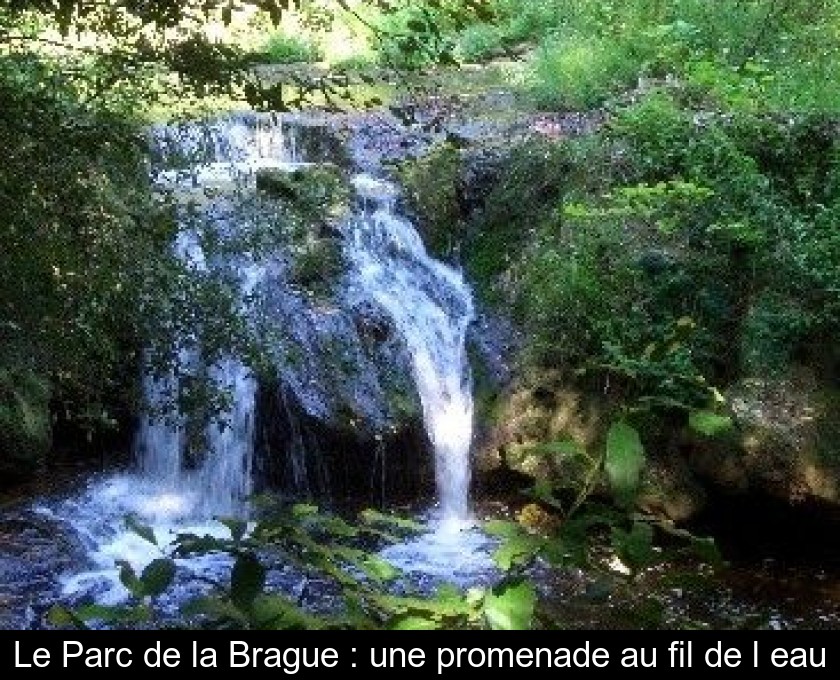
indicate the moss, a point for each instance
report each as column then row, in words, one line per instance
column 312, row 193
column 524, row 198
column 431, row 185
column 317, row 266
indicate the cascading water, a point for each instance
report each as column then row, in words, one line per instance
column 166, row 493
column 432, row 308
column 429, row 303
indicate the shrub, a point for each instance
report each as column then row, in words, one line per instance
column 576, row 72
column 288, row 49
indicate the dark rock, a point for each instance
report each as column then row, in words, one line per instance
column 340, row 417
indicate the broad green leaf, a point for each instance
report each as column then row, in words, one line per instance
column 192, row 544
column 61, row 617
column 564, row 447
column 502, row 528
column 510, row 606
column 706, row 549
column 624, row 460
column 237, row 527
column 709, row 423
column 216, row 609
column 379, row 569
column 246, row 580
column 274, row 612
column 409, row 622
column 304, row 510
column 635, row 547
column 157, row 577
column 516, row 551
column 375, row 517
column 116, row 614
column 129, row 579
column 142, row 530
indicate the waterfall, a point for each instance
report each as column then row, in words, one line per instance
column 225, row 153
column 428, row 302
column 432, row 308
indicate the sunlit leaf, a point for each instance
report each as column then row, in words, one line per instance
column 510, row 606
column 379, row 569
column 709, row 423
column 412, row 623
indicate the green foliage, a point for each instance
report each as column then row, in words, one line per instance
column 288, row 49
column 574, row 72
column 24, row 422
column 751, row 54
column 510, row 605
column 524, row 194
column 624, row 460
column 709, row 423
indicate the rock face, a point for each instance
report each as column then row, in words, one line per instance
column 338, row 416
column 340, row 419
column 784, row 444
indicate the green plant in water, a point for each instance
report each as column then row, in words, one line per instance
column 320, row 547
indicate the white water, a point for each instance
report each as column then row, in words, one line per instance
column 432, row 308
column 428, row 301
column 165, row 493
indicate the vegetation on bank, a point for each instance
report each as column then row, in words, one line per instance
column 690, row 244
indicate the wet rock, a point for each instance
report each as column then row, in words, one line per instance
column 340, row 417
column 784, row 443
column 33, row 551
column 372, row 323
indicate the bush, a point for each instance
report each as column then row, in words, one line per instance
column 480, row 43
column 575, row 72
column 287, row 49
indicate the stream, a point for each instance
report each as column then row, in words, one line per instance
column 430, row 307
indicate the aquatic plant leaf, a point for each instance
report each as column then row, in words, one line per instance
column 192, row 544
column 375, row 517
column 214, row 608
column 302, row 510
column 237, row 527
column 510, row 605
column 379, row 569
column 412, row 623
column 275, row 612
column 142, row 530
column 62, row 617
column 129, row 579
column 157, row 577
column 114, row 614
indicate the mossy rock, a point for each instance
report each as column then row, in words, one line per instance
column 317, row 266
column 313, row 192
column 784, row 443
column 431, row 187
